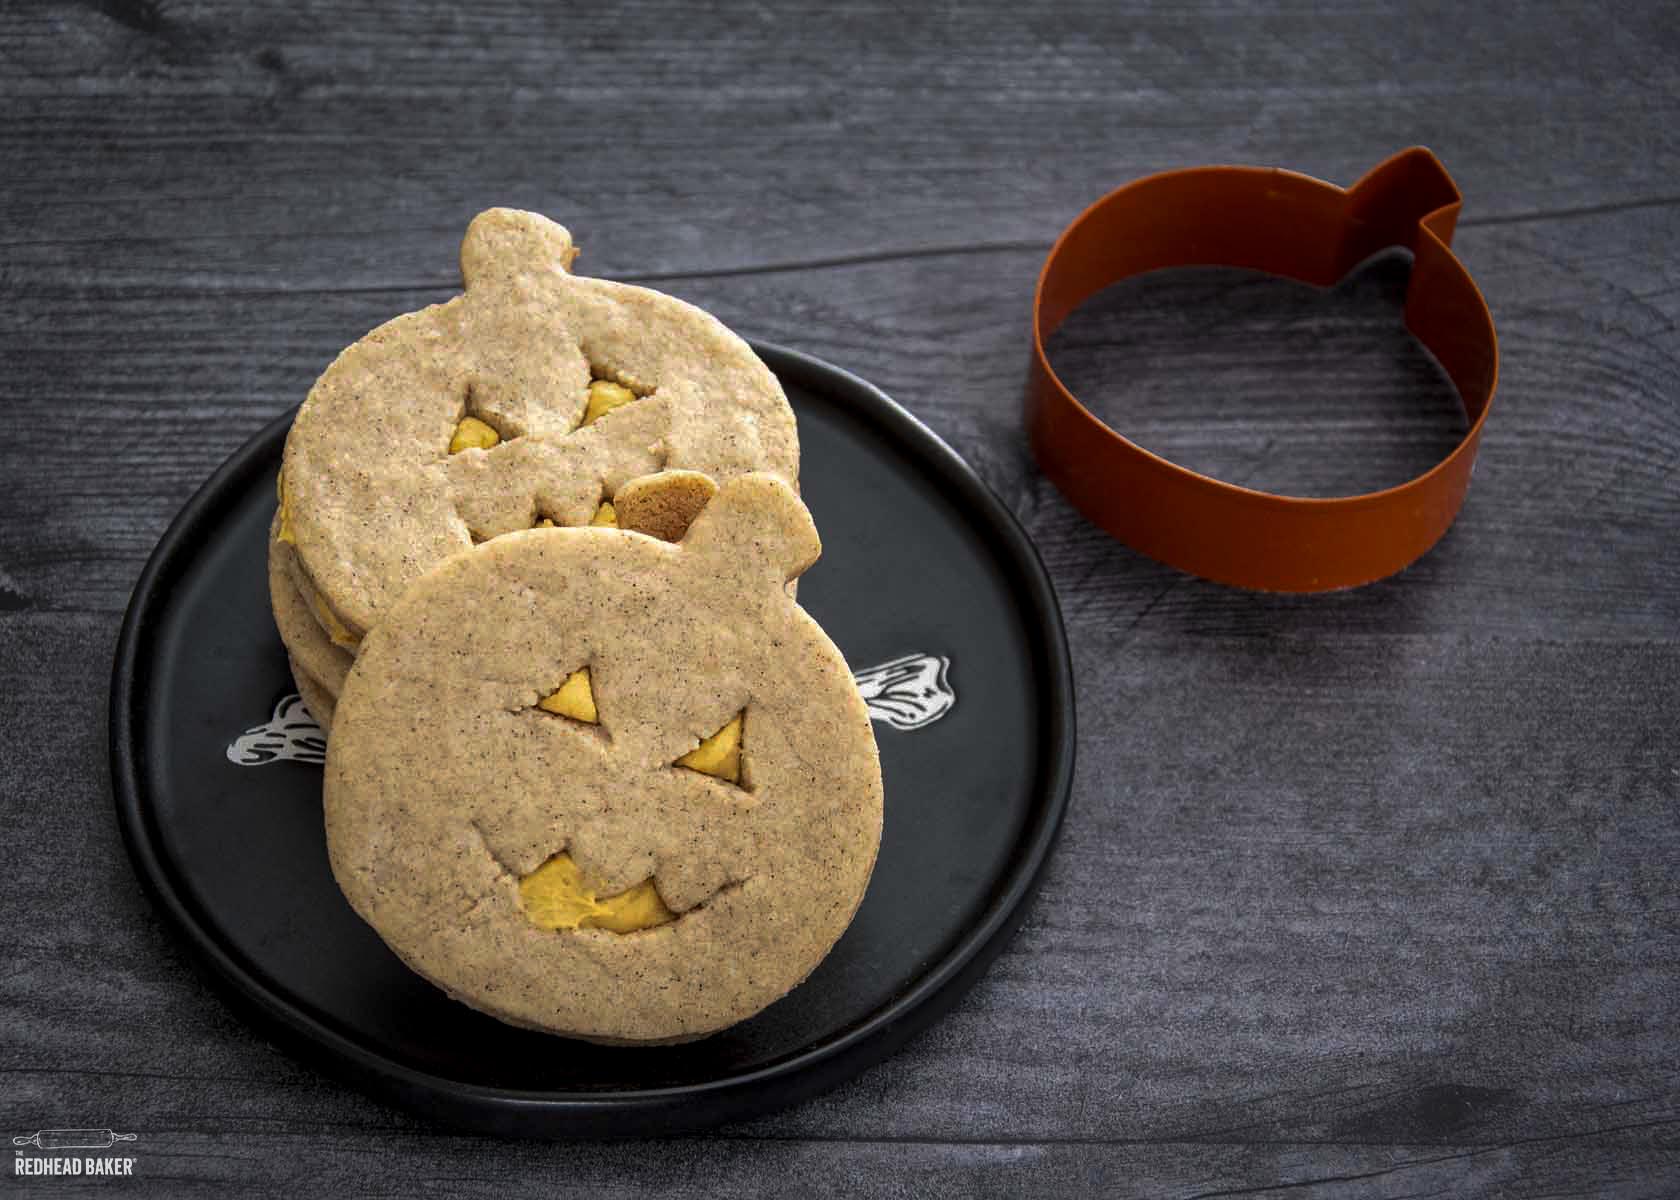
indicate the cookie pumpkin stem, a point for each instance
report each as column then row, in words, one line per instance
column 757, row 519
column 664, row 504
column 505, row 243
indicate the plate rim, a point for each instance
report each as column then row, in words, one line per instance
column 675, row 1108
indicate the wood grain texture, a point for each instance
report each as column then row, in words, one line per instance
column 1367, row 895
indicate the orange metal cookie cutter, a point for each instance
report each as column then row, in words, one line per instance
column 1292, row 225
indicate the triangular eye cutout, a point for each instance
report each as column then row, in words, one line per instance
column 720, row 754
column 574, row 699
column 604, row 396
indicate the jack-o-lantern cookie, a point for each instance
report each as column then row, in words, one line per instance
column 662, row 505
column 310, row 648
column 608, row 786
column 529, row 398
column 316, row 698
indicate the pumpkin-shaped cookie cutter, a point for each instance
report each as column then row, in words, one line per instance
column 1297, row 227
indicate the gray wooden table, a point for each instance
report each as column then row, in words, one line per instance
column 1365, row 895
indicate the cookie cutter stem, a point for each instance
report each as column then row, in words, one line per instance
column 1290, row 225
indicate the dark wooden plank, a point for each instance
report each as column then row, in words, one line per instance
column 247, row 1157
column 1354, row 918
column 777, row 133
column 1565, row 531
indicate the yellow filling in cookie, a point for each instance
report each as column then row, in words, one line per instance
column 606, row 516
column 574, row 698
column 719, row 754
column 604, row 396
column 337, row 630
column 555, row 897
column 284, row 533
column 473, row 434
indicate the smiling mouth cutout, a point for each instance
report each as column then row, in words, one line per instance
column 555, row 896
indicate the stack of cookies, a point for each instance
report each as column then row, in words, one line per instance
column 591, row 769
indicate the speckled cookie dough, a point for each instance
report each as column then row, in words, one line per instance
column 660, row 505
column 307, row 644
column 608, row 786
column 316, row 698
column 531, row 397
column 663, row 505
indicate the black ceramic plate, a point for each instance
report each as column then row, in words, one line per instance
column 219, row 802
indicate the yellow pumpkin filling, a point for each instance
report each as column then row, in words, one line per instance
column 473, row 434
column 555, row 896
column 604, row 396
column 605, row 516
column 574, row 698
column 719, row 754
column 284, row 533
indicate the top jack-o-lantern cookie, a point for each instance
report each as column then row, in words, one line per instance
column 662, row 505
column 530, row 398
column 604, row 785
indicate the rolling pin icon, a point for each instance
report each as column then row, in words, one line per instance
column 73, row 1139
